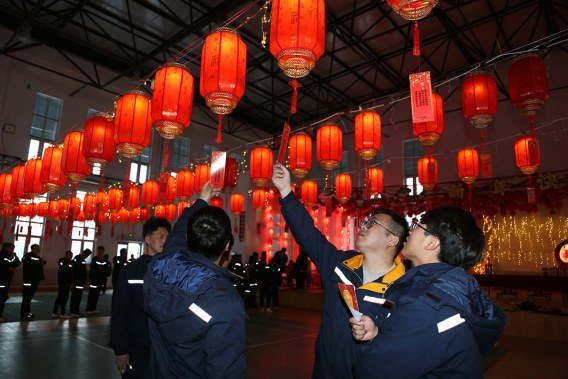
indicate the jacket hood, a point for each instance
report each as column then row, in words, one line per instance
column 174, row 281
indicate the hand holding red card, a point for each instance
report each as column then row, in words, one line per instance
column 284, row 143
column 348, row 294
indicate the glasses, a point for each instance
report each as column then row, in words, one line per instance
column 368, row 224
column 416, row 225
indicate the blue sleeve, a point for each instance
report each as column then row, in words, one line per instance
column 322, row 252
column 177, row 238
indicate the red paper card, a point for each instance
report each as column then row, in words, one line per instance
column 284, row 143
column 218, row 160
column 348, row 295
column 421, row 97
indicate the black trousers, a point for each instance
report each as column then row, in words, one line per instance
column 4, row 288
column 265, row 295
column 61, row 299
column 76, row 296
column 93, row 298
column 28, row 292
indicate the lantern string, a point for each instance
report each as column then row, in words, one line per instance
column 219, row 139
column 295, row 85
column 416, row 50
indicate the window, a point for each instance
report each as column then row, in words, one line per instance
column 179, row 155
column 83, row 233
column 207, row 151
column 45, row 123
column 412, row 153
column 134, row 248
column 139, row 167
column 33, row 227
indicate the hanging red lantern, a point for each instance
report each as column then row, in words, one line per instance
column 62, row 209
column 73, row 163
column 468, row 165
column 181, row 206
column 81, row 217
column 170, row 211
column 300, row 152
column 53, row 211
column 172, row 100
column 527, row 154
column 103, row 217
column 5, row 186
column 429, row 132
column 374, row 182
column 150, row 190
column 309, row 192
column 31, row 185
column 231, row 174
column 89, row 206
column 132, row 124
column 428, row 172
column 367, row 134
column 412, row 10
column 98, row 140
column 160, row 211
column 114, row 218
column 261, row 161
column 101, row 197
column 51, row 175
column 134, row 215
column 185, row 183
column 343, row 188
column 329, row 146
column 216, row 202
column 202, row 175
column 259, row 198
column 167, row 192
column 24, row 210
column 115, row 196
column 124, row 215
column 74, row 206
column 479, row 99
column 17, row 185
column 144, row 214
column 528, row 84
column 133, row 198
column 43, row 209
column 237, row 204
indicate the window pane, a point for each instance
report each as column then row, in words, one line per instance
column 76, row 247
column 37, row 126
column 53, row 108
column 143, row 173
column 77, row 233
column 133, row 172
column 96, row 169
column 50, row 129
column 33, row 150
column 37, row 229
column 145, row 155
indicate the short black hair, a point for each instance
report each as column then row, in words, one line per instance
column 397, row 224
column 87, row 252
column 209, row 232
column 461, row 240
column 153, row 223
column 7, row 245
column 123, row 251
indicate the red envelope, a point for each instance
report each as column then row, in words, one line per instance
column 348, row 295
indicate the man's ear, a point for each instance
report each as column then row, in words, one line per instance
column 432, row 243
column 393, row 240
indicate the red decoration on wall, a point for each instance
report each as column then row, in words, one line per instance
column 185, row 184
column 468, row 165
column 132, row 124
column 172, row 100
column 527, row 154
column 373, row 182
column 479, row 99
column 428, row 172
column 329, row 146
column 528, row 84
column 367, row 134
column 32, row 185
column 98, row 140
column 73, row 163
column 343, row 188
column 429, row 132
column 300, row 154
column 309, row 192
column 237, row 203
column 261, row 161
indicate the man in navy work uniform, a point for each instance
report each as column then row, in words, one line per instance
column 441, row 322
column 98, row 275
column 196, row 316
column 79, row 278
column 32, row 265
column 8, row 262
column 371, row 271
column 129, row 322
column 64, row 280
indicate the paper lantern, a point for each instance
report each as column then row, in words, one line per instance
column 167, row 192
column 259, row 198
column 124, row 215
column 98, row 140
column 115, row 197
column 429, row 132
column 132, row 124
column 52, row 177
column 170, row 211
column 43, row 209
column 89, row 206
column 528, row 84
column 261, row 161
column 150, row 189
column 309, row 192
column 237, row 203
column 144, row 214
column 185, row 183
column 53, row 211
column 62, row 208
column 202, row 175
column 103, row 217
column 24, row 210
column 231, row 174
column 412, row 9
column 297, row 35
column 81, row 217
column 343, row 188
column 428, row 172
column 134, row 215
column 74, row 206
column 216, row 202
column 17, row 185
column 300, row 154
column 133, row 198
column 527, row 154
column 73, row 163
column 329, row 146
column 468, row 165
column 367, row 134
column 172, row 100
column 32, row 186
column 373, row 182
column 181, row 206
column 479, row 99
column 5, row 185
column 114, row 218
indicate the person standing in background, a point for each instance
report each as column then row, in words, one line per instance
column 79, row 278
column 32, row 265
column 97, row 277
column 64, row 280
column 8, row 262
column 118, row 264
column 108, row 271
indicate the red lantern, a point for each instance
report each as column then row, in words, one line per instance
column 300, row 154
column 74, row 206
column 43, row 209
column 329, row 143
column 134, row 215
column 89, row 206
column 73, row 163
column 468, row 165
column 428, row 172
column 527, row 154
column 132, row 124
column 114, row 217
column 259, row 198
column 17, row 185
column 231, row 174
column 412, row 9
column 170, row 211
column 343, row 188
column 309, row 192
column 374, row 182
column 81, row 217
column 24, row 210
column 144, row 214
column 167, row 192
column 150, row 190
column 133, row 198
column 181, row 206
column 51, row 175
column 261, row 159
column 216, row 202
column 479, row 99
column 223, row 70
column 98, row 140
column 202, row 175
column 5, row 186
column 367, row 134
column 297, row 35
column 53, row 211
column 172, row 100
column 62, row 208
column 103, row 217
column 528, row 84
column 185, row 184
column 115, row 197
column 31, row 185
column 429, row 132
column 124, row 215
column 237, row 204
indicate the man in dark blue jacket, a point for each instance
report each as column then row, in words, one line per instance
column 441, row 322
column 129, row 322
column 371, row 271
column 32, row 265
column 64, row 280
column 8, row 262
column 79, row 278
column 197, row 319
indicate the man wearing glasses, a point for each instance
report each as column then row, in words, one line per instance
column 441, row 322
column 371, row 271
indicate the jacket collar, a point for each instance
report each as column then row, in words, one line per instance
column 356, row 263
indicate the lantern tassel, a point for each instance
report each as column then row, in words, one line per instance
column 295, row 85
column 482, row 140
column 219, row 139
column 416, row 51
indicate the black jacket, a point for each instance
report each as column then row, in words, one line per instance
column 33, row 268
column 7, row 262
column 64, row 272
column 100, row 271
column 79, row 271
